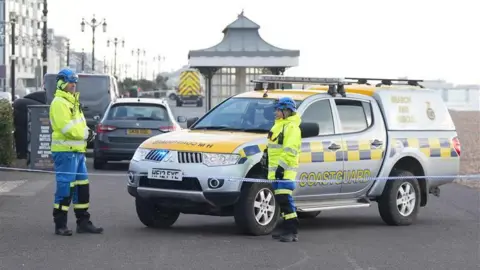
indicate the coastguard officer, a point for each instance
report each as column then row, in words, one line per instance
column 70, row 135
column 283, row 151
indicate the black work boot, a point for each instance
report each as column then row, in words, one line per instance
column 289, row 237
column 60, row 219
column 88, row 227
column 63, row 231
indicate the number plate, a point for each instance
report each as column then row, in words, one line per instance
column 163, row 174
column 139, row 131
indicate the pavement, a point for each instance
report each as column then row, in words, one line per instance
column 445, row 236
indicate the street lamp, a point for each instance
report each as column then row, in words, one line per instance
column 158, row 59
column 94, row 24
column 115, row 43
column 138, row 60
column 13, row 21
column 45, row 38
column 68, row 52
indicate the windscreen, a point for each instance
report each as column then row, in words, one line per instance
column 131, row 111
column 244, row 114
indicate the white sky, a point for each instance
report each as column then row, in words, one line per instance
column 425, row 39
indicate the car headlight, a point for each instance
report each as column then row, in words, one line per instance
column 220, row 159
column 140, row 154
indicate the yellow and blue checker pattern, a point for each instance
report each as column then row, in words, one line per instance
column 430, row 147
column 313, row 152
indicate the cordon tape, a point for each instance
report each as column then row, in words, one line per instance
column 255, row 180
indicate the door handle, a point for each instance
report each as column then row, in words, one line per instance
column 334, row 146
column 377, row 142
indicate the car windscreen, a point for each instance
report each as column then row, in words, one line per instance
column 134, row 111
column 242, row 114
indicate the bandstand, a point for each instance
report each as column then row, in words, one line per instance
column 240, row 57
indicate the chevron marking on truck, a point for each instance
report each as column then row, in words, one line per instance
column 189, row 84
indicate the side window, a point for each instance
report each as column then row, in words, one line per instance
column 320, row 112
column 355, row 116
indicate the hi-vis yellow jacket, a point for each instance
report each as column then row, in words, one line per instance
column 287, row 154
column 69, row 127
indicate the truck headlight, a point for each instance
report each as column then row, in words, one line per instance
column 140, row 154
column 220, row 159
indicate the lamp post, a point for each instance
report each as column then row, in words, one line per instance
column 94, row 24
column 158, row 59
column 68, row 53
column 44, row 38
column 138, row 60
column 115, row 43
column 13, row 21
column 83, row 59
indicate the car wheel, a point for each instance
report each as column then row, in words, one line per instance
column 308, row 215
column 99, row 164
column 200, row 103
column 256, row 211
column 151, row 215
column 400, row 200
column 172, row 97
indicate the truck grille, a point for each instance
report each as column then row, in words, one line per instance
column 187, row 183
column 189, row 157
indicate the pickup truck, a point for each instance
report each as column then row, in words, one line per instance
column 392, row 144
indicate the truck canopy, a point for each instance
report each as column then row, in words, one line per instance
column 413, row 109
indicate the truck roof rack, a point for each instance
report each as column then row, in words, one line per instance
column 384, row 81
column 270, row 82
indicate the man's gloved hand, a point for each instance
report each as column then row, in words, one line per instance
column 91, row 135
column 279, row 173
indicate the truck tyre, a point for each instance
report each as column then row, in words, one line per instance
column 256, row 211
column 400, row 201
column 172, row 97
column 179, row 103
column 154, row 216
column 200, row 103
column 308, row 215
column 99, row 164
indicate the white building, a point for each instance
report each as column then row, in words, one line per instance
column 28, row 14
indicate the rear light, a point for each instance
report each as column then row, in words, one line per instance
column 167, row 128
column 104, row 128
column 456, row 145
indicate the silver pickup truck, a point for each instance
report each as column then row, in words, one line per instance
column 354, row 137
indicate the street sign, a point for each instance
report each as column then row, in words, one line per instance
column 39, row 138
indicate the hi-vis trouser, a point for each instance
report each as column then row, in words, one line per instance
column 283, row 190
column 72, row 184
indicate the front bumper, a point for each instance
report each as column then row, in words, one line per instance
column 196, row 185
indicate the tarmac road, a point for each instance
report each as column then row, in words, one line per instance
column 446, row 235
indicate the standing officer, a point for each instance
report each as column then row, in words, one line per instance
column 69, row 142
column 284, row 145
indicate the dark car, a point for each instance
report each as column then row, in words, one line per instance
column 126, row 124
column 96, row 93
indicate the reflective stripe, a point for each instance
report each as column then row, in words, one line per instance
column 290, row 216
column 68, row 142
column 274, row 146
column 71, row 124
column 81, row 182
column 285, row 166
column 290, row 150
column 283, row 192
column 81, row 206
column 63, row 207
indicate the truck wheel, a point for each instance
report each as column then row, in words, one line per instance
column 99, row 164
column 307, row 215
column 400, row 200
column 179, row 103
column 172, row 97
column 256, row 212
column 153, row 216
column 200, row 103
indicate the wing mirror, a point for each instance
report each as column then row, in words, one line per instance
column 191, row 121
column 309, row 129
column 181, row 119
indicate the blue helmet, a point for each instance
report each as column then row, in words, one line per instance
column 286, row 103
column 67, row 75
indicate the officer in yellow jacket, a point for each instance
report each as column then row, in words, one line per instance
column 70, row 135
column 284, row 145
